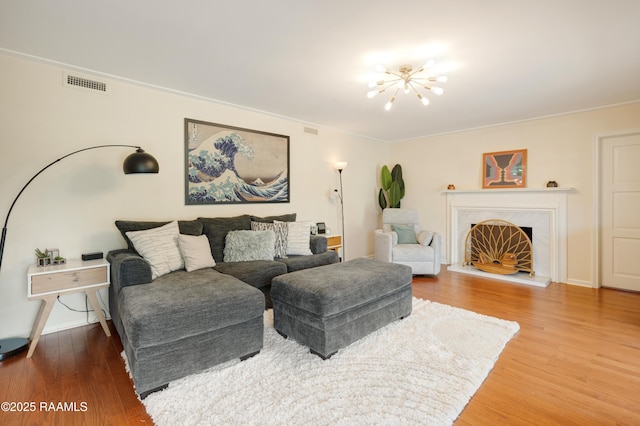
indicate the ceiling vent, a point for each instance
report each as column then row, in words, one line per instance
column 80, row 82
column 311, row 130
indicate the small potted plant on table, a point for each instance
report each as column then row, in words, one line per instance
column 43, row 258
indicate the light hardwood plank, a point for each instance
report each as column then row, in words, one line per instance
column 575, row 361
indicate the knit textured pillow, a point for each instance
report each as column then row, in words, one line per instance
column 281, row 230
column 243, row 246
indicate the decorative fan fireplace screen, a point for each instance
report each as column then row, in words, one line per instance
column 499, row 247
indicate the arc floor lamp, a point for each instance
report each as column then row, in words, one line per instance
column 138, row 162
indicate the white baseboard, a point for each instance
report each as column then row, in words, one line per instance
column 580, row 283
column 72, row 324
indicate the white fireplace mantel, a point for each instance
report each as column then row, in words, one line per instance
column 543, row 209
column 507, row 190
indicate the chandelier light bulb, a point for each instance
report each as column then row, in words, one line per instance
column 437, row 90
column 439, row 79
column 424, row 100
column 390, row 103
column 380, row 68
column 429, row 63
column 371, row 94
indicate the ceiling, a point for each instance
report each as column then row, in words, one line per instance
column 507, row 60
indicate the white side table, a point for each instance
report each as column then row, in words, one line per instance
column 46, row 283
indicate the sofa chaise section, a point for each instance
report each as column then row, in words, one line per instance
column 184, row 323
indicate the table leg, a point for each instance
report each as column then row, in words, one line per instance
column 43, row 314
column 91, row 294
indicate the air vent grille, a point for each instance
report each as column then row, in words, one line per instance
column 85, row 83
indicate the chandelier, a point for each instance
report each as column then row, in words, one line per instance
column 407, row 79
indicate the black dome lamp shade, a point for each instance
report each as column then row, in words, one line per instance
column 138, row 162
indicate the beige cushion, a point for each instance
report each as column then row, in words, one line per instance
column 159, row 247
column 413, row 253
column 425, row 237
column 196, row 252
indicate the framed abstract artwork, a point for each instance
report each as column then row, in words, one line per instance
column 505, row 169
column 232, row 165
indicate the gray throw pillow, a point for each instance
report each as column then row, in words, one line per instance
column 216, row 229
column 290, row 217
column 244, row 246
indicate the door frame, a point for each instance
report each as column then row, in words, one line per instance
column 597, row 197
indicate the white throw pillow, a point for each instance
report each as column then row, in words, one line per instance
column 196, row 252
column 425, row 237
column 298, row 238
column 159, row 247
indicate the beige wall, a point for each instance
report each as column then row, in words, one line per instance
column 72, row 205
column 559, row 148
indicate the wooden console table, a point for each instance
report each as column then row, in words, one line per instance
column 46, row 283
column 334, row 242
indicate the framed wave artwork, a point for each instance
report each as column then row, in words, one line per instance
column 232, row 165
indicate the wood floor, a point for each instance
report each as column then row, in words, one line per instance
column 575, row 361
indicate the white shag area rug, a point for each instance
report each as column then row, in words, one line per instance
column 422, row 370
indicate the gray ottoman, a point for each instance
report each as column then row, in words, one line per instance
column 329, row 307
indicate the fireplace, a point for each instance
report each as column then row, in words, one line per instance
column 499, row 247
column 544, row 210
column 526, row 229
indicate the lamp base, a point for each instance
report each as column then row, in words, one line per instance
column 12, row 347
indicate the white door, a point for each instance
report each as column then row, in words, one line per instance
column 620, row 208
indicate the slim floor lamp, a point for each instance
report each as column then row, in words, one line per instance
column 340, row 166
column 138, row 162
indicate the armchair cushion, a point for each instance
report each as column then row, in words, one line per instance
column 412, row 253
column 406, row 234
column 425, row 238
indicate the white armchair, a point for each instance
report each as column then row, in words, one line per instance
column 402, row 241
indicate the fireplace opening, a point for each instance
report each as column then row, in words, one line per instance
column 528, row 230
column 500, row 247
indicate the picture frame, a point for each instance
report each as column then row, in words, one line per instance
column 504, row 169
column 233, row 165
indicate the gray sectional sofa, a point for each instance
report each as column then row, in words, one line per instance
column 183, row 322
